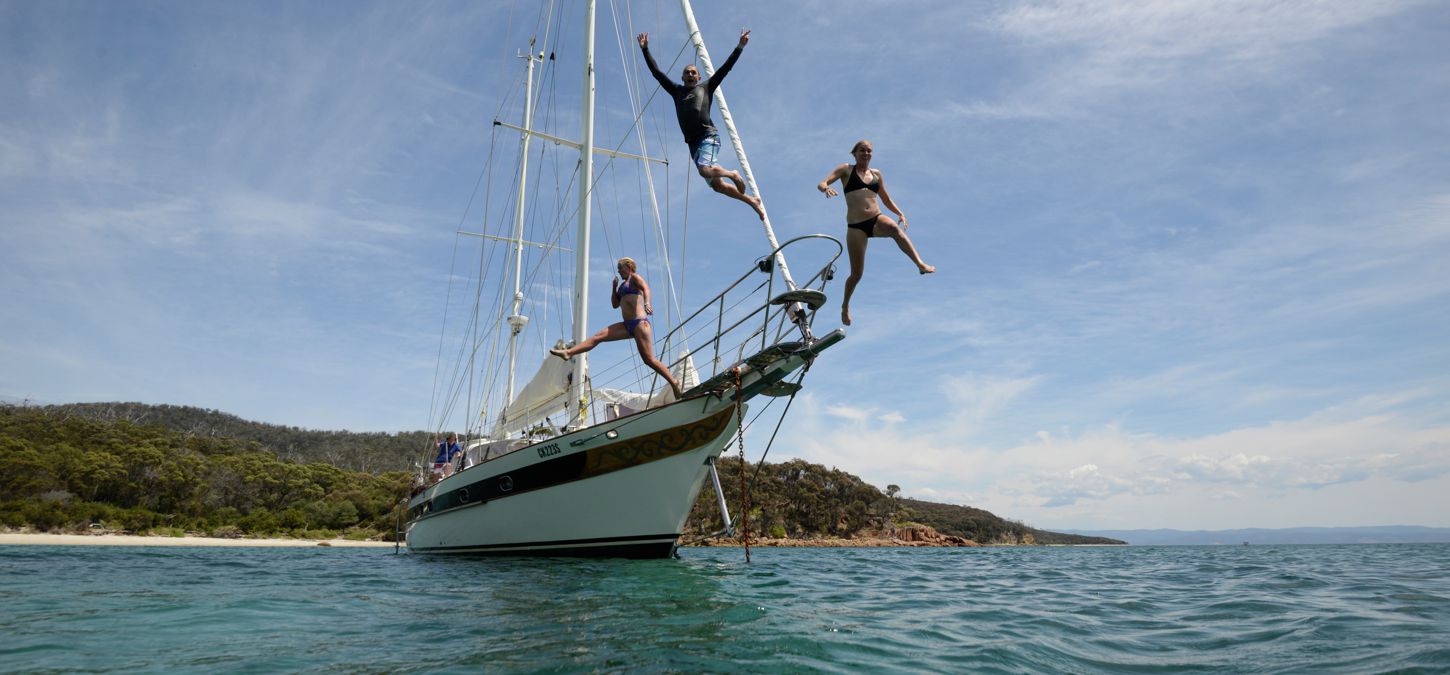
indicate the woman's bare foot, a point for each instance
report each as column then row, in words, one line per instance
column 925, row 268
column 845, row 317
column 560, row 353
column 675, row 387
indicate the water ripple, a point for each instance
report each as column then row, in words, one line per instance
column 1141, row 609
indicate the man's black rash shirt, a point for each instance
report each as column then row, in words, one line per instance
column 692, row 104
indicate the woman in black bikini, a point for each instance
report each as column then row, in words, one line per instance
column 632, row 299
column 864, row 219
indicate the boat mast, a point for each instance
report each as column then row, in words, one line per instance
column 704, row 54
column 518, row 321
column 586, row 185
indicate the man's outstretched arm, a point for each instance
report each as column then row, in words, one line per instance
column 724, row 69
column 653, row 68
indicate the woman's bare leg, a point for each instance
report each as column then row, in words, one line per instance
column 886, row 228
column 856, row 250
column 615, row 331
column 644, row 340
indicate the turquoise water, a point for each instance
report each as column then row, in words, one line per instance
column 1143, row 609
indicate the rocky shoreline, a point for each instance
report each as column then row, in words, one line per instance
column 910, row 535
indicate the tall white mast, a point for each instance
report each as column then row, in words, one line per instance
column 518, row 321
column 586, row 185
column 729, row 123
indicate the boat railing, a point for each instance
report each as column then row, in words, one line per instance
column 755, row 311
column 746, row 318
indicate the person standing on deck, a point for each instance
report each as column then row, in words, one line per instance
column 864, row 219
column 693, row 98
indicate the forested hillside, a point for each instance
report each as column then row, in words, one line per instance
column 369, row 452
column 63, row 472
column 797, row 499
column 139, row 468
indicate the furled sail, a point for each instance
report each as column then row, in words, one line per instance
column 546, row 394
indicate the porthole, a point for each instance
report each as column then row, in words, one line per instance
column 505, row 484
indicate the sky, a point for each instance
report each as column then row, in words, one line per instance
column 1191, row 254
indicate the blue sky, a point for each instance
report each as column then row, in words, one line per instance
column 1191, row 254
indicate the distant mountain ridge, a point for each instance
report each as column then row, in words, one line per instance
column 1389, row 534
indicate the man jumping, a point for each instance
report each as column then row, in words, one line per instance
column 692, row 106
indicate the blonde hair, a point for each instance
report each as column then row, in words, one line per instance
column 858, row 145
column 630, row 262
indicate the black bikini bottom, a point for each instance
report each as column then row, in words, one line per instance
column 867, row 226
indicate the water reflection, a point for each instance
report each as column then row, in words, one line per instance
column 531, row 612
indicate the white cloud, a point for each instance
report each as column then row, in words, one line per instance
column 1089, row 474
column 852, row 413
column 1080, row 54
column 1144, row 41
column 1171, row 29
column 974, row 399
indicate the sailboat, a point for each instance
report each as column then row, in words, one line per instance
column 572, row 467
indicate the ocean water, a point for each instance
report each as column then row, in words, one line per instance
column 1312, row 609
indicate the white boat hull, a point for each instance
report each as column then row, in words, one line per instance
column 621, row 488
column 626, row 496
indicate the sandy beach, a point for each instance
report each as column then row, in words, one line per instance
column 45, row 539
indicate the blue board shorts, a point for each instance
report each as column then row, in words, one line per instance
column 706, row 152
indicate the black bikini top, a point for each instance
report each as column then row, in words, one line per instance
column 854, row 183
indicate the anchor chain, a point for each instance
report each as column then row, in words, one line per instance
column 744, row 493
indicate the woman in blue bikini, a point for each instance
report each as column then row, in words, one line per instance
column 864, row 219
column 632, row 299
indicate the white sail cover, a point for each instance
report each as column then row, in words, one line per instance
column 630, row 402
column 543, row 396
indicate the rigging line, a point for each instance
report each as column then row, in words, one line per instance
column 434, row 404
column 548, row 30
column 627, row 59
column 461, row 364
column 547, row 262
column 721, row 346
column 593, row 184
column 494, row 333
column 637, row 114
column 494, row 372
column 608, row 167
column 485, row 171
column 685, row 185
column 535, row 214
column 799, row 380
column 477, row 339
column 443, row 329
column 728, row 122
column 545, row 18
column 560, row 223
column 637, row 127
column 677, row 294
